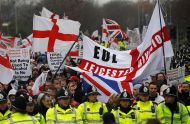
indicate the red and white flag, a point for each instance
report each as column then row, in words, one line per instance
column 6, row 71
column 95, row 36
column 54, row 35
column 39, row 83
column 135, row 64
column 27, row 42
column 48, row 14
column 7, row 40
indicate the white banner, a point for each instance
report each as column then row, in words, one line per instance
column 20, row 60
column 176, row 75
column 134, row 64
column 54, row 61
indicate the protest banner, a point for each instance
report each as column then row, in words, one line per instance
column 20, row 60
column 54, row 61
column 176, row 75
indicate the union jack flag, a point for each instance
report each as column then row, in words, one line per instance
column 112, row 30
column 106, row 87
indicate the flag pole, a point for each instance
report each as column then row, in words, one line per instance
column 66, row 56
column 162, row 37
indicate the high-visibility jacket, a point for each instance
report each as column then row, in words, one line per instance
column 5, row 115
column 144, row 111
column 105, row 44
column 91, row 113
column 123, row 118
column 20, row 118
column 187, row 78
column 122, row 45
column 166, row 116
column 40, row 118
column 57, row 115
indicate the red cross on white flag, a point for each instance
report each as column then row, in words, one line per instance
column 54, row 35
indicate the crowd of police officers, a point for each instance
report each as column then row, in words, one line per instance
column 128, row 110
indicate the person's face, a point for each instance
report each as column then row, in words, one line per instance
column 63, row 83
column 64, row 102
column 185, row 88
column 1, row 87
column 152, row 90
column 169, row 99
column 144, row 97
column 72, row 87
column 57, row 84
column 11, row 98
column 47, row 101
column 35, row 73
column 135, row 92
column 160, row 77
column 48, row 85
column 3, row 105
column 125, row 103
column 92, row 97
column 30, row 107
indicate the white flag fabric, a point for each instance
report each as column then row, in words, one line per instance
column 6, row 70
column 40, row 81
column 48, row 14
column 27, row 42
column 134, row 64
column 54, row 35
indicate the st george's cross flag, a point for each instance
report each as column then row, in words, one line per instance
column 54, row 35
column 48, row 14
column 6, row 70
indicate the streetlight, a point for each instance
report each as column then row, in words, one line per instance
column 6, row 25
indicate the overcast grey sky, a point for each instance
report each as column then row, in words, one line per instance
column 105, row 1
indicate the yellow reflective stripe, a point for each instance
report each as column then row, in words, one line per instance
column 93, row 121
column 61, row 121
column 145, row 111
column 92, row 113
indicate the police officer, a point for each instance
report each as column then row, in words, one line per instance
column 92, row 110
column 124, row 114
column 4, row 111
column 171, row 111
column 62, row 112
column 19, row 115
column 145, row 108
column 30, row 109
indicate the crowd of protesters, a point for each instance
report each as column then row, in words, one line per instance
column 62, row 100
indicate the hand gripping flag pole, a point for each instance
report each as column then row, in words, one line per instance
column 66, row 56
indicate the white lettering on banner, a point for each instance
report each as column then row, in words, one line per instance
column 156, row 43
column 20, row 60
column 107, row 57
column 102, row 70
column 54, row 60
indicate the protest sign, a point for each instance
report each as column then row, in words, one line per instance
column 54, row 61
column 20, row 60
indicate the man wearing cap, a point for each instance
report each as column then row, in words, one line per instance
column 62, row 112
column 124, row 114
column 4, row 111
column 30, row 109
column 145, row 108
column 172, row 111
column 92, row 110
column 19, row 114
